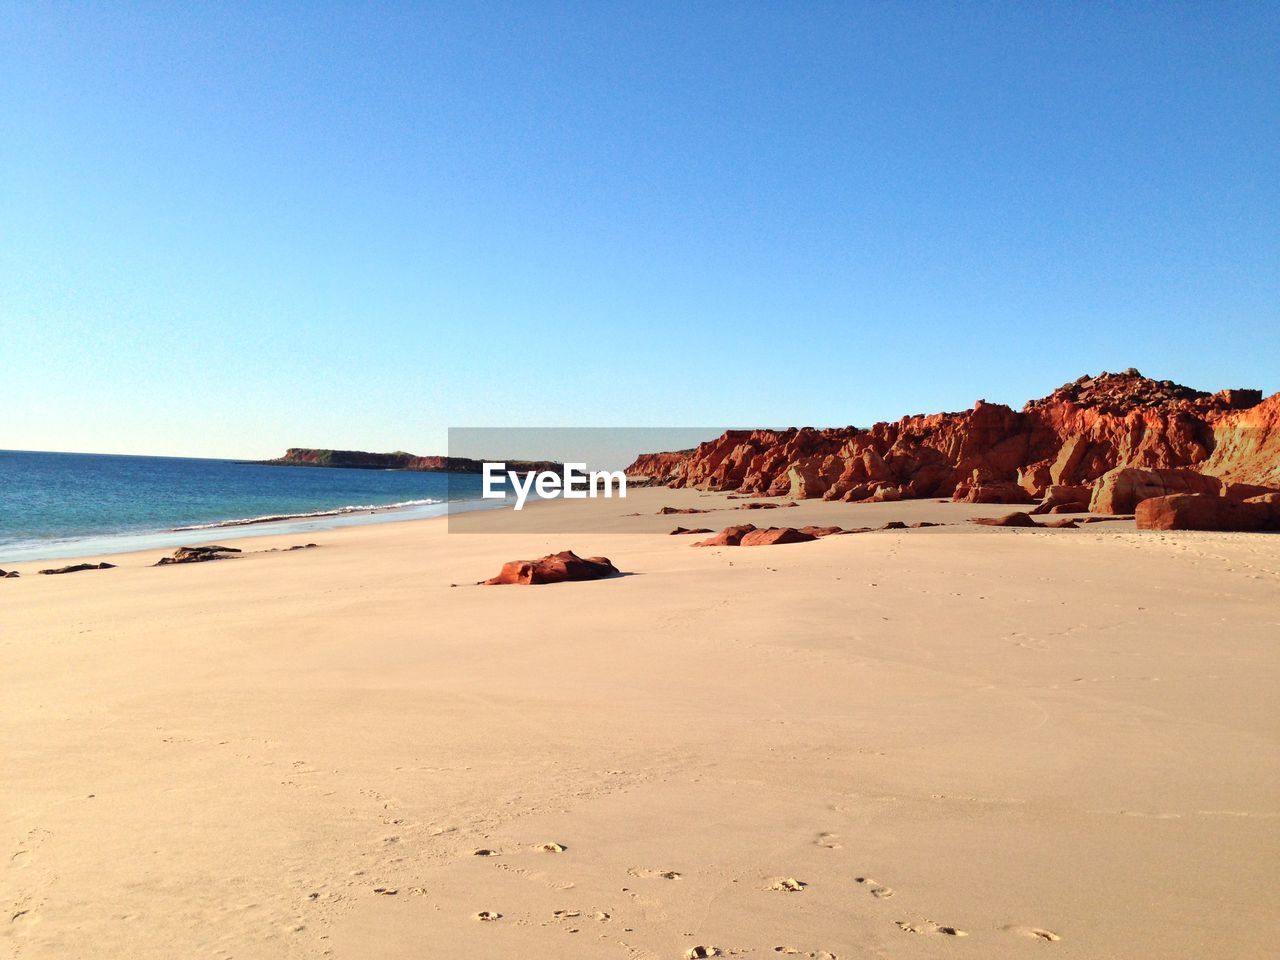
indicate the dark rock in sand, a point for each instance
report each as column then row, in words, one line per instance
column 1008, row 520
column 680, row 531
column 554, row 568
column 76, row 568
column 8, row 575
column 197, row 555
column 668, row 511
column 894, row 525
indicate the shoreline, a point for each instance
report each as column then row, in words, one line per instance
column 973, row 717
column 118, row 544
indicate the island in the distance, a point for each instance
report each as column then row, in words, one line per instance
column 362, row 460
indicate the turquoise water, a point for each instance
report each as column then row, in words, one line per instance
column 69, row 504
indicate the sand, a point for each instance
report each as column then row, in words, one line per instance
column 952, row 742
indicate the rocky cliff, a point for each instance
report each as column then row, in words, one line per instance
column 992, row 453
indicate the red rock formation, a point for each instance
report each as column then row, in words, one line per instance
column 749, row 535
column 1070, row 438
column 775, row 535
column 554, row 568
column 728, row 537
column 658, row 466
column 1199, row 511
column 1122, row 489
column 1063, row 498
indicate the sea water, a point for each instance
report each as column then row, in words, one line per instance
column 73, row 504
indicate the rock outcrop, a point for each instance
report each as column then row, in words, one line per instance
column 749, row 535
column 1008, row 520
column 9, row 574
column 77, row 567
column 992, row 453
column 198, row 555
column 1064, row 498
column 1122, row 489
column 554, row 568
column 729, row 536
column 658, row 466
column 1200, row 511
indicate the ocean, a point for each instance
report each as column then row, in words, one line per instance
column 72, row 504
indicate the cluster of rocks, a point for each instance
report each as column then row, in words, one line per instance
column 749, row 535
column 1101, row 443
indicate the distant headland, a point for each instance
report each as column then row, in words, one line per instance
column 399, row 460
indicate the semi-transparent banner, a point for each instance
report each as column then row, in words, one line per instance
column 560, row 479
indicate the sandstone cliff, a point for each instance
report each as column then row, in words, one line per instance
column 992, row 453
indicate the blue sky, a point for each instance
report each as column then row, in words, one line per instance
column 229, row 229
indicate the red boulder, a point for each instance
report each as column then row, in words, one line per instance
column 1191, row 511
column 776, row 535
column 554, row 568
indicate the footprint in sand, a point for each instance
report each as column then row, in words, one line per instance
column 484, row 852
column 811, row 954
column 698, row 952
column 552, row 847
column 486, row 916
column 651, row 873
column 1036, row 933
column 788, row 885
column 875, row 888
column 929, row 926
column 830, row 841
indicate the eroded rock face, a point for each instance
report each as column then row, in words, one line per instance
column 1064, row 498
column 1122, row 489
column 996, row 491
column 554, row 568
column 1070, row 438
column 1199, row 511
column 658, row 466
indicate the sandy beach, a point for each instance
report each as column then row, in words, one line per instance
column 946, row 742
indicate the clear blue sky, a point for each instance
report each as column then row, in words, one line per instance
column 229, row 229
